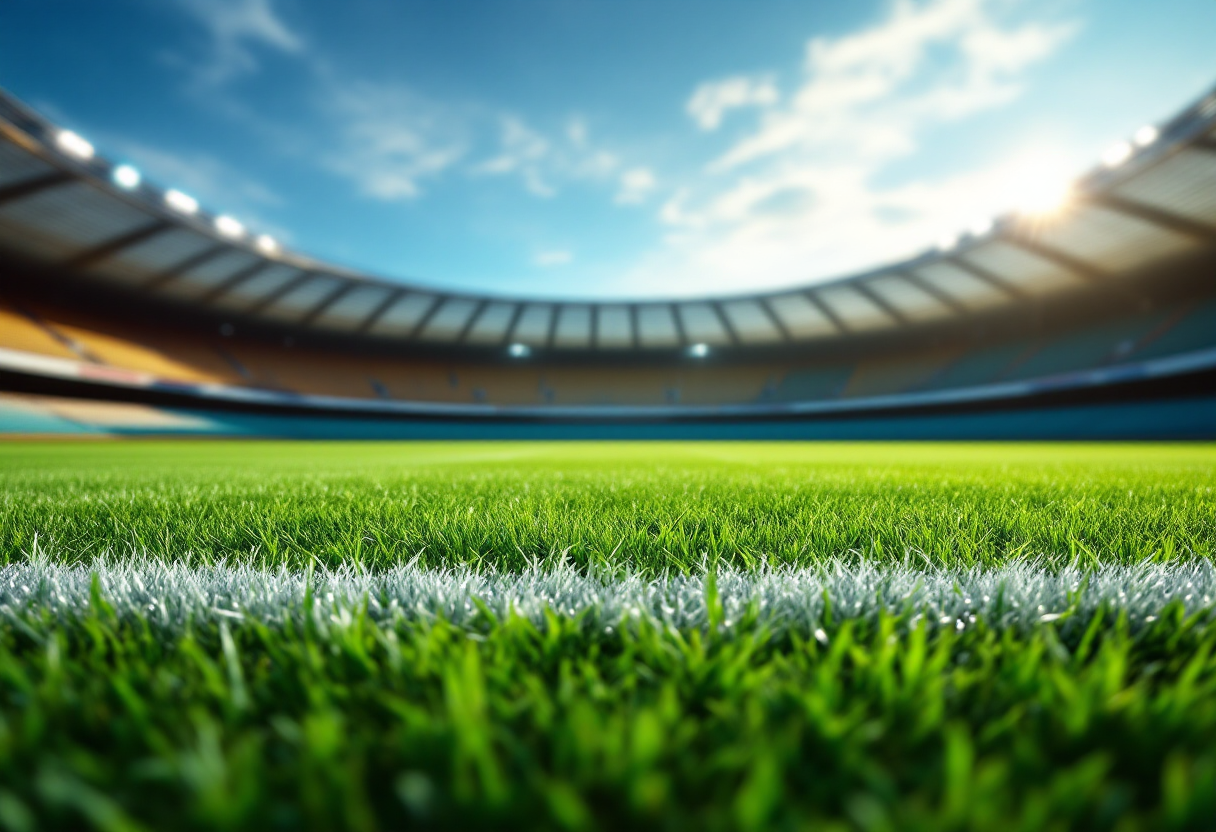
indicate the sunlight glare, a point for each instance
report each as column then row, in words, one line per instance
column 1038, row 185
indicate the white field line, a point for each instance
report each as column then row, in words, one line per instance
column 167, row 595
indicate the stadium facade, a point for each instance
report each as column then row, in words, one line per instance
column 125, row 308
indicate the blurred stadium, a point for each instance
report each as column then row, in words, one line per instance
column 869, row 635
column 128, row 309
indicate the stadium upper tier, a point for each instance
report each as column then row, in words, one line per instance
column 67, row 211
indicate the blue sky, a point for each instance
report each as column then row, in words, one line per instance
column 615, row 148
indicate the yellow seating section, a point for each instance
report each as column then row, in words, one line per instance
column 160, row 353
column 17, row 332
column 118, row 352
column 192, row 357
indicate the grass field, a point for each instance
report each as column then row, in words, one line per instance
column 580, row 636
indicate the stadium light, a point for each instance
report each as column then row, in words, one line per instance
column 267, row 244
column 1117, row 154
column 125, row 176
column 699, row 350
column 74, row 145
column 229, row 227
column 519, row 350
column 1146, row 135
column 181, row 202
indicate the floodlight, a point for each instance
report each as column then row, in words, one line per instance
column 267, row 244
column 125, row 176
column 73, row 145
column 519, row 350
column 1146, row 135
column 1117, row 154
column 699, row 350
column 229, row 227
column 179, row 201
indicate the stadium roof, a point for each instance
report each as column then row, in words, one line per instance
column 62, row 206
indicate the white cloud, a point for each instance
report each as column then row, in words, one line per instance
column 387, row 138
column 636, row 185
column 548, row 259
column 542, row 163
column 521, row 146
column 807, row 193
column 390, row 139
column 576, row 132
column 861, row 90
column 522, row 151
column 711, row 101
column 594, row 164
column 235, row 28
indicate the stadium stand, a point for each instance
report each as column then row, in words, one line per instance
column 898, row 374
column 23, row 334
column 813, row 384
column 1191, row 329
column 127, row 293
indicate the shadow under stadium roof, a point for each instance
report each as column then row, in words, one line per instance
column 64, row 207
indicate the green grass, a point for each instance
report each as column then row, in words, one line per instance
column 326, row 714
column 366, row 727
column 652, row 506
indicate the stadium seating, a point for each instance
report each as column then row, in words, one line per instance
column 813, row 384
column 19, row 332
column 981, row 366
column 897, row 374
column 1191, row 329
column 188, row 357
column 105, row 286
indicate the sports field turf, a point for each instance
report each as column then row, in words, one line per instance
column 668, row 636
